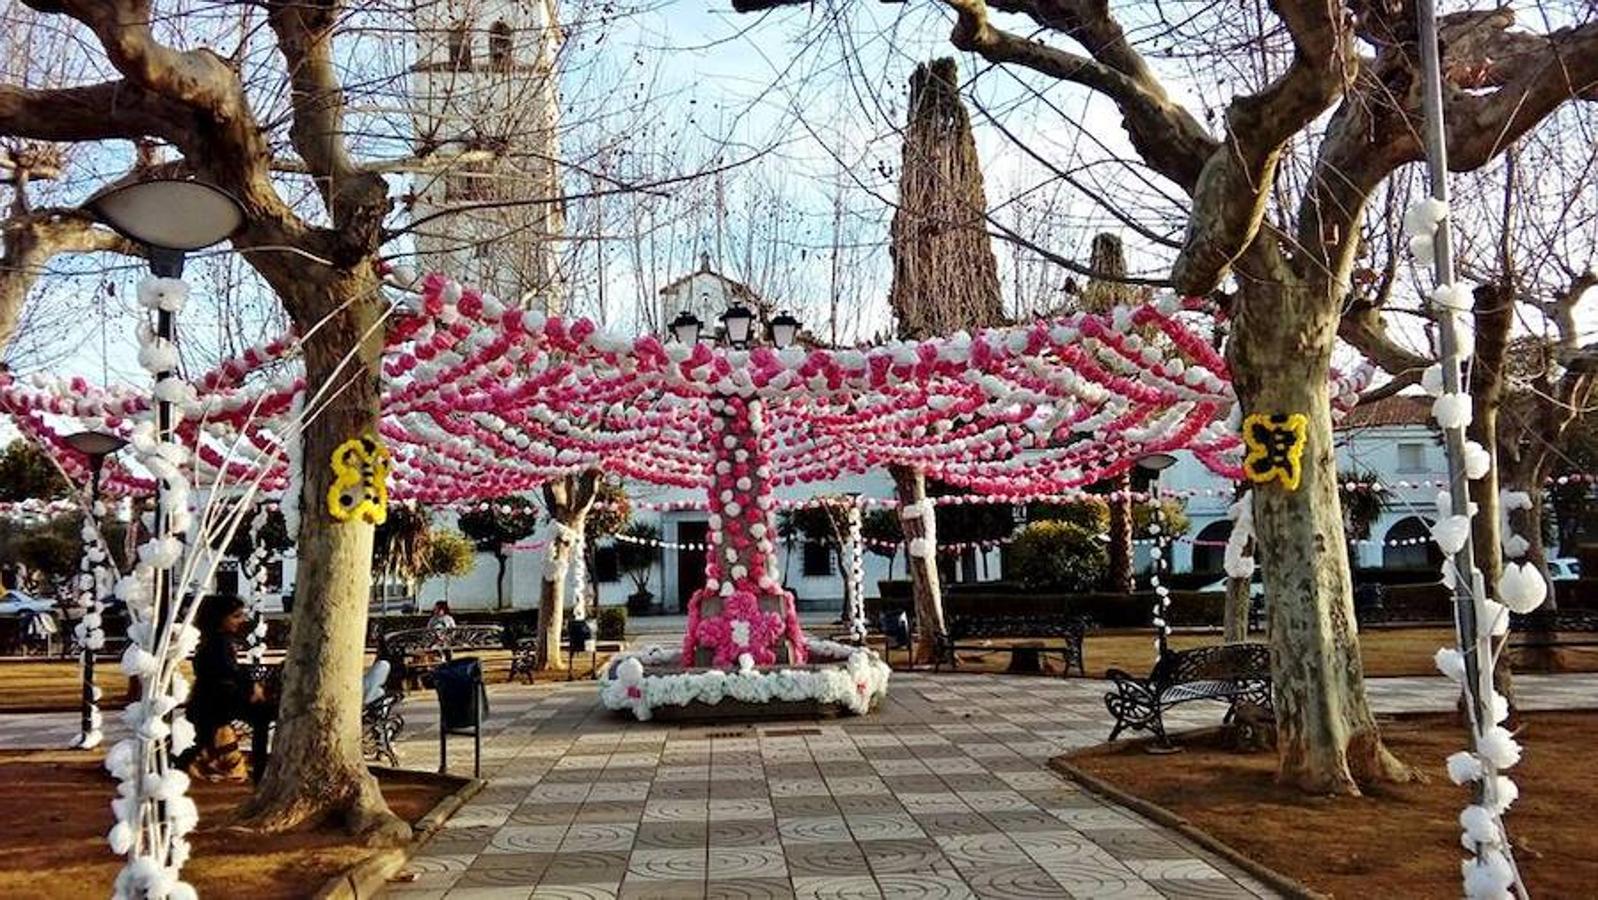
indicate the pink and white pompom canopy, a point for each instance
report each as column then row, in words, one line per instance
column 482, row 401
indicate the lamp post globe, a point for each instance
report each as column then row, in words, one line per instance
column 784, row 331
column 739, row 323
column 1156, row 462
column 169, row 217
column 96, row 445
column 686, row 327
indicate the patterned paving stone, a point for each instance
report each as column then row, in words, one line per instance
column 942, row 792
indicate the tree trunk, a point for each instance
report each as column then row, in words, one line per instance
column 1328, row 742
column 568, row 500
column 1494, row 315
column 911, row 487
column 1121, row 551
column 1543, row 657
column 500, row 560
column 317, row 772
column 1239, row 599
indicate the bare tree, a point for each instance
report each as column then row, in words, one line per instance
column 1276, row 195
column 298, row 110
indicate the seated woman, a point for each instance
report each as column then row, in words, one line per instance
column 441, row 618
column 223, row 693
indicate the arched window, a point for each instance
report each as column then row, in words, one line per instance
column 1209, row 548
column 1408, row 545
column 499, row 46
column 460, row 45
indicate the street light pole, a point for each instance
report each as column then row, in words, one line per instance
column 1156, row 463
column 95, row 446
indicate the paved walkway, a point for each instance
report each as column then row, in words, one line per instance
column 942, row 793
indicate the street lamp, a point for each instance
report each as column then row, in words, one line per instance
column 95, row 446
column 1156, row 463
column 686, row 327
column 739, row 323
column 784, row 329
column 169, row 218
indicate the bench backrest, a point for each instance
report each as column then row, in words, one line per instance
column 1556, row 620
column 461, row 637
column 1248, row 661
column 1016, row 626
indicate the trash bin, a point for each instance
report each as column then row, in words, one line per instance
column 462, row 707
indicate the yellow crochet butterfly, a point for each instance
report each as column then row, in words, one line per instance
column 360, row 483
column 1275, row 448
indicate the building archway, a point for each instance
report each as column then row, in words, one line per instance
column 1409, row 545
column 1209, row 548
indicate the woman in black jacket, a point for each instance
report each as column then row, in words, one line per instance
column 223, row 693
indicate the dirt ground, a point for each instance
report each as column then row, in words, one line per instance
column 35, row 685
column 1401, row 841
column 56, row 810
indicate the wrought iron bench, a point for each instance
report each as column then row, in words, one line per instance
column 381, row 721
column 1229, row 673
column 524, row 658
column 1556, row 628
column 1045, row 635
column 415, row 652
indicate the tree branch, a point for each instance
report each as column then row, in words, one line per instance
column 107, row 111
column 1166, row 135
column 30, row 240
column 356, row 200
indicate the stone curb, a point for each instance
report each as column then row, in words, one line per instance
column 369, row 876
column 1276, row 881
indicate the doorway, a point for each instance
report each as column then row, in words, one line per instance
column 690, row 562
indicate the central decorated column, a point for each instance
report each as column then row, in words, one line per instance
column 743, row 610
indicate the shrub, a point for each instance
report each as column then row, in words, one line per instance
column 1059, row 556
column 1091, row 513
column 612, row 624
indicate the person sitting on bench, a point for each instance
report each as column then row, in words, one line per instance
column 223, row 693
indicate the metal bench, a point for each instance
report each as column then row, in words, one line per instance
column 415, row 652
column 1228, row 673
column 381, row 721
column 1556, row 628
column 1046, row 635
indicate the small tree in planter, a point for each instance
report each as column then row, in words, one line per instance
column 449, row 555
column 636, row 556
column 1059, row 556
column 501, row 521
column 611, row 512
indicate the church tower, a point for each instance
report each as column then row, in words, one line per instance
column 485, row 106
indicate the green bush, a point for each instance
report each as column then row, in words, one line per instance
column 1058, row 556
column 1091, row 513
column 613, row 624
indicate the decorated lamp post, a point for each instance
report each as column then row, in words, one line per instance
column 742, row 617
column 1156, row 463
column 94, row 580
column 168, row 218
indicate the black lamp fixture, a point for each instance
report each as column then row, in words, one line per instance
column 739, row 324
column 784, row 330
column 96, row 445
column 1156, row 462
column 170, row 217
column 686, row 327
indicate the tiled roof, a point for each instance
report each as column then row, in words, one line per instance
column 1400, row 409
